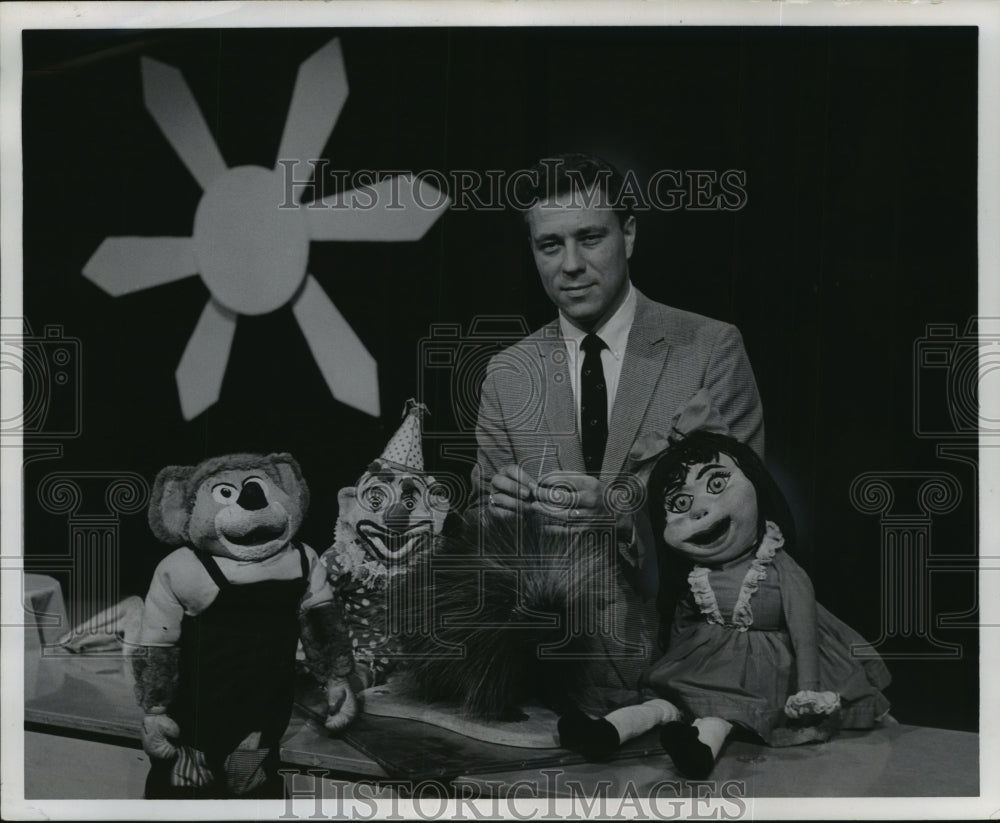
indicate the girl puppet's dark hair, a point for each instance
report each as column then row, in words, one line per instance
column 705, row 447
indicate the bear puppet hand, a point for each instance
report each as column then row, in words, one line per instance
column 155, row 670
column 157, row 731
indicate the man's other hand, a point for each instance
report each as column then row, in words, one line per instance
column 566, row 499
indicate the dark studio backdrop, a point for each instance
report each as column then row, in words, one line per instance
column 858, row 230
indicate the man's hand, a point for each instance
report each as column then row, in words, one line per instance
column 578, row 499
column 511, row 490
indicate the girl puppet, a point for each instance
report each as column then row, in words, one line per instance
column 749, row 645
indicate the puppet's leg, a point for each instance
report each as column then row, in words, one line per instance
column 694, row 748
column 602, row 737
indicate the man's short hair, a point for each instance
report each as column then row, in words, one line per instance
column 587, row 179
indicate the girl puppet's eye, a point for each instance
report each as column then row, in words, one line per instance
column 678, row 503
column 224, row 493
column 717, row 482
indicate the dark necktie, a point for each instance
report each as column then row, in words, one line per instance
column 593, row 404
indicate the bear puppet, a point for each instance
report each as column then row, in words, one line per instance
column 215, row 665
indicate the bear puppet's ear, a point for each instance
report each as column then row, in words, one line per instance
column 168, row 505
column 291, row 479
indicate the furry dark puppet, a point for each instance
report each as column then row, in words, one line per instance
column 503, row 613
column 215, row 668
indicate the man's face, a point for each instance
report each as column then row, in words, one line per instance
column 582, row 256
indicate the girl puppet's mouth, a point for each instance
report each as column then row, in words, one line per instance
column 713, row 534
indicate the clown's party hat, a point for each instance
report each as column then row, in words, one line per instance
column 404, row 449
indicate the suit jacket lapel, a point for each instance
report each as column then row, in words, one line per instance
column 560, row 408
column 645, row 358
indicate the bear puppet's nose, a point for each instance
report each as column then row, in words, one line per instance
column 252, row 497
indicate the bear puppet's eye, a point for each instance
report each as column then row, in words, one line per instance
column 224, row 493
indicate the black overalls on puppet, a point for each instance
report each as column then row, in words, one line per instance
column 237, row 667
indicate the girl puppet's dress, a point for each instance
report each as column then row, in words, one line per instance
column 749, row 634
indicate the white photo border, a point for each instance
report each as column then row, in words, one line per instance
column 16, row 17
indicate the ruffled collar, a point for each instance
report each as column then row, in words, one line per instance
column 353, row 560
column 704, row 596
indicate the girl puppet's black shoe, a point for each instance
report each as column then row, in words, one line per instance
column 594, row 739
column 692, row 758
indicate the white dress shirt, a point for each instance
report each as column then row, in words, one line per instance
column 614, row 333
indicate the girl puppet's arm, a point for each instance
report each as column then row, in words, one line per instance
column 798, row 601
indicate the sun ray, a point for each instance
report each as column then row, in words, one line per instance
column 319, row 95
column 347, row 366
column 203, row 364
column 399, row 208
column 168, row 98
column 122, row 265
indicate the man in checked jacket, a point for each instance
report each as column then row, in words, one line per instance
column 561, row 409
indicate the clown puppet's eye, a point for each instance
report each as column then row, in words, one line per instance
column 717, row 482
column 224, row 493
column 375, row 498
column 678, row 503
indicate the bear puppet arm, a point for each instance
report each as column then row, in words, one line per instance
column 156, row 661
column 156, row 671
column 330, row 659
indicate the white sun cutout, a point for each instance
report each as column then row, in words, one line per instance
column 252, row 254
